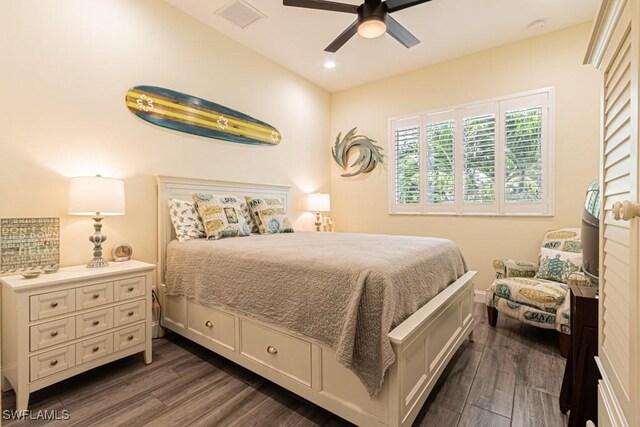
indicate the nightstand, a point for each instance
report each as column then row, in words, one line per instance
column 61, row 324
column 579, row 391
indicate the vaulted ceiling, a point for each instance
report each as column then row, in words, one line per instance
column 296, row 38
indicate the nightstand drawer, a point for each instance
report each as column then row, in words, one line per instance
column 94, row 295
column 129, row 337
column 94, row 348
column 283, row 353
column 130, row 288
column 94, row 321
column 52, row 362
column 51, row 333
column 52, row 304
column 128, row 313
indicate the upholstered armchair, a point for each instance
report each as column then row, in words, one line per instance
column 537, row 293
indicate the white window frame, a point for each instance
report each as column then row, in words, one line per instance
column 498, row 106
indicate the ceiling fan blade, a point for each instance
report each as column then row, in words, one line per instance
column 400, row 33
column 395, row 5
column 343, row 38
column 322, row 5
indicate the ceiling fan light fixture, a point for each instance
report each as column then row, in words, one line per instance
column 372, row 28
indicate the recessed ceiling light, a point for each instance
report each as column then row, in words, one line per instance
column 538, row 25
column 329, row 64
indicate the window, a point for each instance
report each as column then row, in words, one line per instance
column 488, row 158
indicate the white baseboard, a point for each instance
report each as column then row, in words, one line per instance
column 479, row 296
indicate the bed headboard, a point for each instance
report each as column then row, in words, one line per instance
column 170, row 187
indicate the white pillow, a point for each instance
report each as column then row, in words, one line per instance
column 186, row 221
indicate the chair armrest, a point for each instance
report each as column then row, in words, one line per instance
column 506, row 267
column 578, row 279
column 563, row 316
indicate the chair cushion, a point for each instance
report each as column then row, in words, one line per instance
column 526, row 314
column 533, row 292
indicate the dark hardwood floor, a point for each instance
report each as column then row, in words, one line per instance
column 510, row 375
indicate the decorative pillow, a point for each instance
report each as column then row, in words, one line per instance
column 557, row 265
column 269, row 215
column 221, row 215
column 564, row 239
column 246, row 212
column 186, row 220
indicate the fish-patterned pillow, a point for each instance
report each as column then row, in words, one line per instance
column 185, row 219
column 269, row 215
column 221, row 215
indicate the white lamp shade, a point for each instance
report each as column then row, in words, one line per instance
column 319, row 202
column 95, row 194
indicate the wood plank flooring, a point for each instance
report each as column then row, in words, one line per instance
column 509, row 376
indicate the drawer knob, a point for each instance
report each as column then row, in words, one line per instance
column 54, row 362
column 96, row 296
column 95, row 322
column 54, row 304
column 130, row 337
column 54, row 333
column 130, row 288
column 130, row 313
column 209, row 324
column 95, row 349
column 272, row 350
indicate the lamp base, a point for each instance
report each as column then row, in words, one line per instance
column 98, row 263
column 318, row 222
column 97, row 239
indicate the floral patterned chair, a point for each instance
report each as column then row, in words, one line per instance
column 537, row 293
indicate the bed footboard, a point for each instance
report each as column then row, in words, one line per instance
column 423, row 344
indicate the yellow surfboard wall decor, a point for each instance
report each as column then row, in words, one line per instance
column 189, row 114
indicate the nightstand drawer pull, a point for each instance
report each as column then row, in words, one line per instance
column 54, row 333
column 272, row 350
column 95, row 322
column 209, row 324
column 130, row 337
column 54, row 362
column 130, row 313
column 95, row 296
column 54, row 304
column 95, row 349
column 130, row 288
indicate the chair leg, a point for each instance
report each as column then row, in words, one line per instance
column 565, row 344
column 492, row 315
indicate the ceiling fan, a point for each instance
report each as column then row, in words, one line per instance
column 373, row 19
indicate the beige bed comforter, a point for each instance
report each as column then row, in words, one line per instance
column 344, row 290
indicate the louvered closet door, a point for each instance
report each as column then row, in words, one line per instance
column 619, row 241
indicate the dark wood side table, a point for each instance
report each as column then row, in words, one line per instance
column 579, row 392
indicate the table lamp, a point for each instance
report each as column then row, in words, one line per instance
column 319, row 202
column 97, row 197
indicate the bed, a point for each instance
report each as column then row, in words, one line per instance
column 389, row 381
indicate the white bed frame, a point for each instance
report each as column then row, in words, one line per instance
column 423, row 344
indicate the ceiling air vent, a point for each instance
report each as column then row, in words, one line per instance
column 240, row 13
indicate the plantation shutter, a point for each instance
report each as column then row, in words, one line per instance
column 440, row 178
column 488, row 158
column 525, row 177
column 523, row 155
column 407, row 164
column 479, row 159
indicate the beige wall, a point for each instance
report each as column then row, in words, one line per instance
column 361, row 204
column 64, row 69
